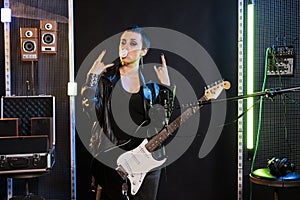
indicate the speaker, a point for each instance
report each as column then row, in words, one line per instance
column 42, row 126
column 48, row 36
column 9, row 127
column 29, row 44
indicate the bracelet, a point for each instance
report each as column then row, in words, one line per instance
column 92, row 79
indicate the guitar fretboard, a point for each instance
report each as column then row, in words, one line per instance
column 158, row 139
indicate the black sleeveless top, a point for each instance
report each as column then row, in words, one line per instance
column 128, row 113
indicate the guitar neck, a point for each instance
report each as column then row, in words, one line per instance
column 158, row 139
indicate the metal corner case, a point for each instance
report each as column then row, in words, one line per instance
column 24, row 164
column 29, row 159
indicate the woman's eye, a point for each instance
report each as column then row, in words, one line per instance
column 123, row 42
column 133, row 43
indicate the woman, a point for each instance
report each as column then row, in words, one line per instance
column 108, row 131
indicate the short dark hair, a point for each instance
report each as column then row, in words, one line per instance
column 145, row 38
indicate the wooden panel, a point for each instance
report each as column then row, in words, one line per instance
column 9, row 127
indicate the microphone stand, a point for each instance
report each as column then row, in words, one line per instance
column 270, row 93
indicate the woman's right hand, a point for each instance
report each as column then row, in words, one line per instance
column 98, row 66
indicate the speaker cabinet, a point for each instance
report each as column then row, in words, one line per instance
column 29, row 44
column 9, row 127
column 48, row 36
column 42, row 126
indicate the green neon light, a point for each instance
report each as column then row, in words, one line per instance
column 250, row 74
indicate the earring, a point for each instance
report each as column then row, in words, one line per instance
column 142, row 62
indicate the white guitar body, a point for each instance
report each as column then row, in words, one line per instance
column 136, row 164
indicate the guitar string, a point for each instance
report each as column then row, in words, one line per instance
column 120, row 145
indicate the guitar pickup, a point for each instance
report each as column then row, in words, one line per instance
column 121, row 171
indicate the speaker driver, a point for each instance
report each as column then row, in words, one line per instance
column 48, row 38
column 29, row 46
column 28, row 34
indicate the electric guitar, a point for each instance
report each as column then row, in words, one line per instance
column 135, row 164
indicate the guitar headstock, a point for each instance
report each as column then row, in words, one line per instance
column 214, row 90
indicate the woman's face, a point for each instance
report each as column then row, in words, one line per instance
column 131, row 47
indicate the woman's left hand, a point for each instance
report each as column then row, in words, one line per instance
column 162, row 72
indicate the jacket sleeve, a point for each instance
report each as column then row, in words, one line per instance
column 94, row 92
column 91, row 93
column 166, row 98
column 91, row 97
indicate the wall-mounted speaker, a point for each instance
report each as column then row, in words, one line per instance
column 29, row 44
column 48, row 36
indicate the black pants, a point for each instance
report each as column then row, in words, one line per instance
column 111, row 183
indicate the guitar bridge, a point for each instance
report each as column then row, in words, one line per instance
column 122, row 172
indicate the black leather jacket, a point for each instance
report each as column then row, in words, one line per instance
column 96, row 101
